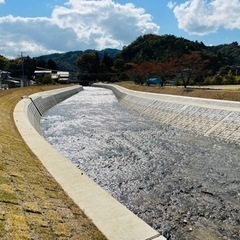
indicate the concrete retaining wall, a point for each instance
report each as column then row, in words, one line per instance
column 208, row 117
column 38, row 103
column 112, row 218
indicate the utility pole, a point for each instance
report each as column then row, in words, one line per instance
column 1, row 79
column 22, row 60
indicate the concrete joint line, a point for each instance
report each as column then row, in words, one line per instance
column 34, row 104
column 54, row 99
column 208, row 132
column 183, row 108
column 154, row 237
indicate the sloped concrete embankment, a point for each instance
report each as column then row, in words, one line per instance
column 36, row 104
column 114, row 220
column 217, row 118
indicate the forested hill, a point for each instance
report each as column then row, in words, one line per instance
column 68, row 61
column 159, row 48
column 152, row 47
column 229, row 52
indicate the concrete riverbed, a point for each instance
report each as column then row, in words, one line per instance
column 183, row 184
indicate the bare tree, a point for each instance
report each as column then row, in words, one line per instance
column 191, row 66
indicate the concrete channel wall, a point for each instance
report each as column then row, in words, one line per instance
column 38, row 103
column 113, row 219
column 217, row 118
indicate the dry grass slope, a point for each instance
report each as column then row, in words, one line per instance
column 221, row 94
column 32, row 204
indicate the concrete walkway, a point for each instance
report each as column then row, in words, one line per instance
column 217, row 87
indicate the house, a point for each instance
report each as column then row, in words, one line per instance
column 4, row 75
column 58, row 76
column 63, row 77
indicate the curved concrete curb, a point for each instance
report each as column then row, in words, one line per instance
column 208, row 117
column 112, row 218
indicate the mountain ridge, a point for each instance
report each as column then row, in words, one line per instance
column 152, row 47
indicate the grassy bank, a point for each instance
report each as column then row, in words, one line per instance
column 32, row 204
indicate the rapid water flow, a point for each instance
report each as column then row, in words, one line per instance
column 179, row 183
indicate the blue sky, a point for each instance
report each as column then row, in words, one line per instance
column 48, row 26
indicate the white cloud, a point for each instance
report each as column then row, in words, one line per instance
column 202, row 17
column 2, row 1
column 105, row 19
column 171, row 5
column 22, row 46
column 34, row 36
column 78, row 25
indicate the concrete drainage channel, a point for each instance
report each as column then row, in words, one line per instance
column 215, row 118
column 112, row 218
column 220, row 119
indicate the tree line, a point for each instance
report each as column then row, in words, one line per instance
column 175, row 60
column 181, row 61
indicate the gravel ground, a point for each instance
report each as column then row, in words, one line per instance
column 183, row 185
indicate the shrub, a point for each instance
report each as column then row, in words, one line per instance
column 218, row 80
column 230, row 79
column 45, row 80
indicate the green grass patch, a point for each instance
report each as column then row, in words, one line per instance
column 8, row 197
